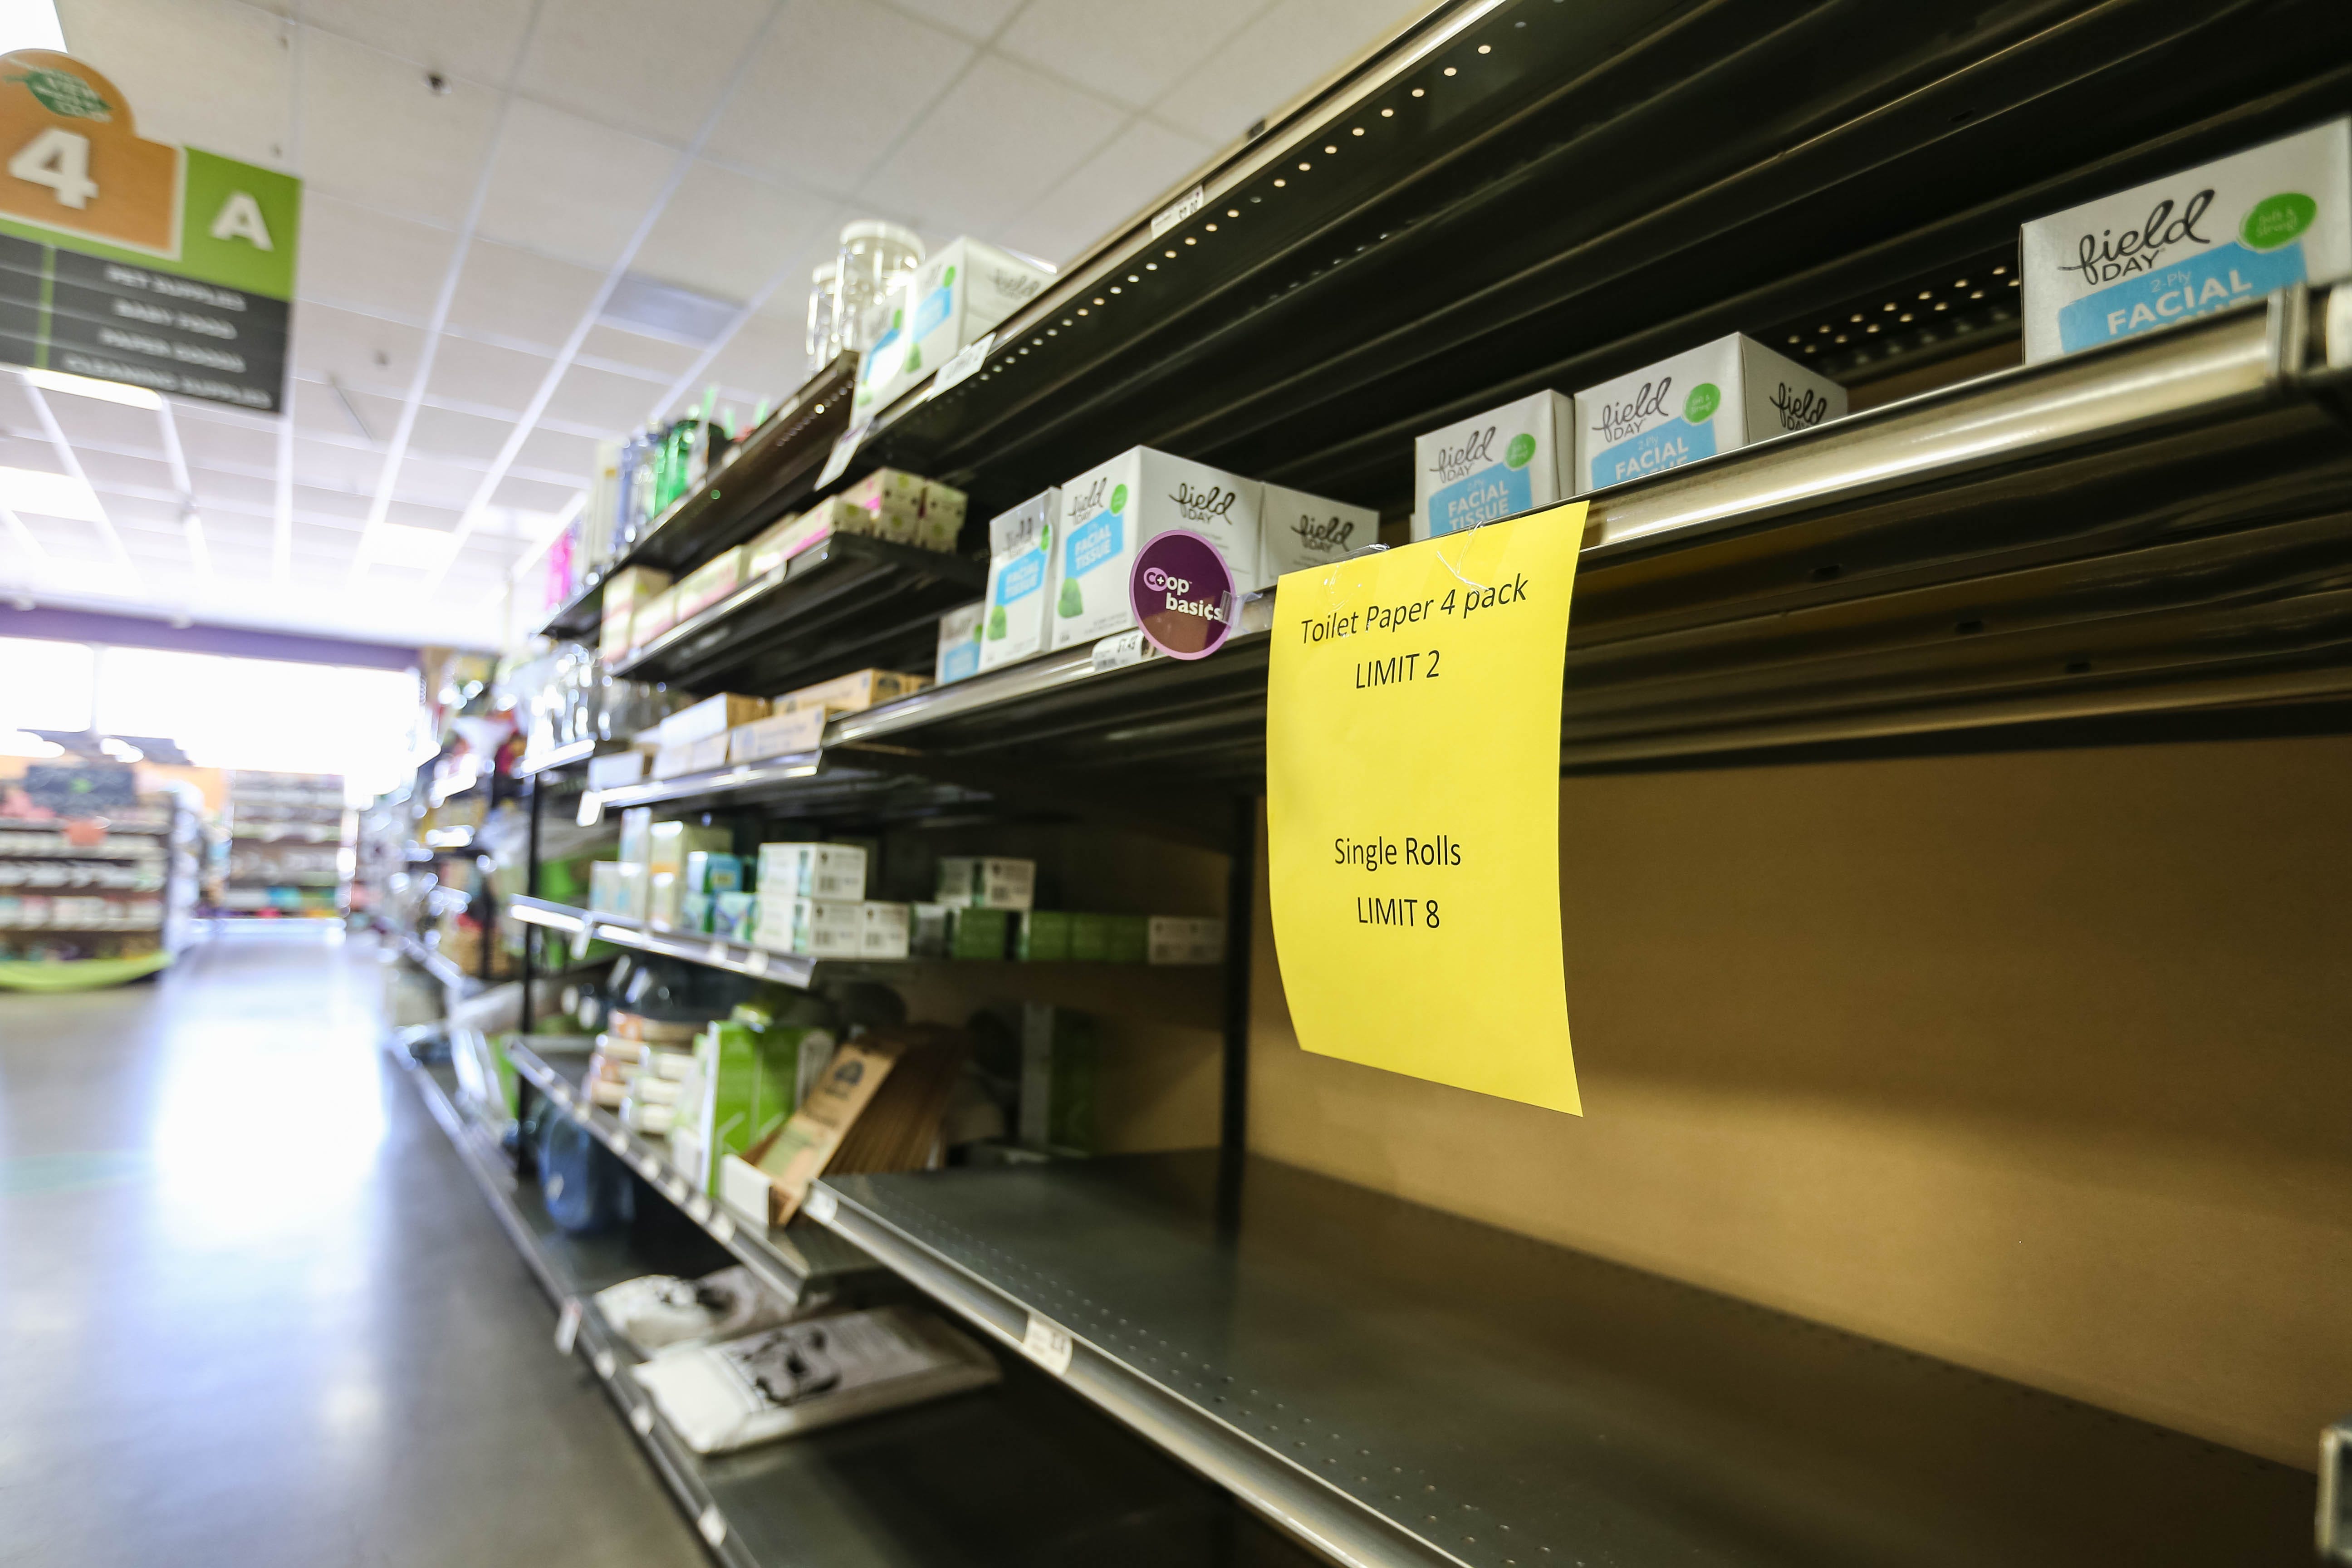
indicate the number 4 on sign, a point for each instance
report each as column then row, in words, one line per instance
column 58, row 159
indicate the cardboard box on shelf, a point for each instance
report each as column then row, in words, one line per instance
column 959, row 653
column 2189, row 243
column 779, row 735
column 1018, row 598
column 771, row 549
column 772, row 1176
column 852, row 693
column 711, row 581
column 616, row 769
column 654, row 617
column 669, row 843
column 617, row 888
column 810, row 870
column 994, row 882
column 1510, row 459
column 626, row 592
column 809, row 928
column 711, row 716
column 982, row 934
column 1177, row 939
column 1297, row 531
column 1111, row 509
column 1715, row 398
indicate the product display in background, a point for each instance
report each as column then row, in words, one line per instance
column 1297, row 531
column 1058, row 1079
column 800, row 1377
column 1023, row 585
column 877, row 1107
column 1715, row 398
column 283, row 850
column 1518, row 457
column 951, row 299
column 662, row 1314
column 960, row 634
column 2223, row 234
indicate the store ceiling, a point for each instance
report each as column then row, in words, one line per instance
column 480, row 262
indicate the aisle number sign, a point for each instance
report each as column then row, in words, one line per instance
column 134, row 261
column 1413, row 806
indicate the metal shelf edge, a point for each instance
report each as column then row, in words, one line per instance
column 1281, row 1491
column 713, row 953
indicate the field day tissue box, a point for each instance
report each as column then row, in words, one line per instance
column 1109, row 510
column 2189, row 243
column 1022, row 581
column 1512, row 459
column 1297, row 531
column 1712, row 399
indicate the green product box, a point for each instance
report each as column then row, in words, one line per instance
column 750, row 1080
column 1042, row 936
column 1058, row 1078
column 693, row 912
column 1130, row 938
column 979, row 934
column 712, row 871
column 732, row 915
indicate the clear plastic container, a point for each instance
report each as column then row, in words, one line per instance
column 873, row 256
column 824, row 339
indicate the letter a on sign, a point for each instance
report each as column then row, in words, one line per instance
column 240, row 218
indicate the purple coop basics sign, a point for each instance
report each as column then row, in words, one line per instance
column 1182, row 593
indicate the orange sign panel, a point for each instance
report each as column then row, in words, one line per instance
column 72, row 158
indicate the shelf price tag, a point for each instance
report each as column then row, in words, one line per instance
column 713, row 1525
column 1413, row 806
column 592, row 807
column 960, row 369
column 567, row 1328
column 845, row 447
column 819, row 1206
column 1048, row 1344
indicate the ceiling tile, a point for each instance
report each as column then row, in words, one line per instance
column 726, row 234
column 330, row 508
column 362, row 352
column 1294, row 45
column 235, row 493
column 442, row 433
column 96, row 422
column 615, row 62
column 373, row 133
column 356, row 257
column 1130, row 50
column 598, row 400
column 210, row 73
column 218, row 442
column 429, row 481
column 113, row 470
column 465, row 371
column 516, row 294
column 475, row 39
column 992, row 144
column 1141, row 161
column 621, row 349
column 833, row 86
column 415, row 514
column 532, row 495
column 974, row 18
column 765, row 359
column 557, row 452
column 570, row 187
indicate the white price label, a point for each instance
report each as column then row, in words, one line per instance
column 592, row 807
column 756, row 960
column 715, row 953
column 1120, row 649
column 642, row 1418
column 605, row 1365
column 699, row 1207
column 959, row 369
column 1184, row 206
column 580, row 940
column 713, row 1525
column 676, row 1189
column 819, row 1206
column 845, row 447
column 1048, row 1344
column 615, row 1141
column 567, row 1328
column 722, row 1228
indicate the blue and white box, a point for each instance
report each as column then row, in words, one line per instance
column 1718, row 398
column 959, row 652
column 1022, row 581
column 2189, row 243
column 1513, row 460
column 1109, row 512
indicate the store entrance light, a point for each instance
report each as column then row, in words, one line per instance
column 121, row 751
column 25, row 743
column 90, row 386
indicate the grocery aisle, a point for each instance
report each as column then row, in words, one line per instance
column 254, row 1308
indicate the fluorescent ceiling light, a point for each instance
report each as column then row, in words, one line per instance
column 50, row 495
column 652, row 308
column 403, row 544
column 25, row 743
column 89, row 386
column 121, row 751
column 30, row 24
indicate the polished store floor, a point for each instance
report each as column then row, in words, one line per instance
column 254, row 1313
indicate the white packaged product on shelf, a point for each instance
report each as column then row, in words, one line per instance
column 660, row 1312
column 1715, row 398
column 1109, row 510
column 1022, row 581
column 960, row 292
column 812, row 870
column 810, row 928
column 2189, row 243
column 797, row 1377
column 1297, row 531
column 987, row 882
column 959, row 652
column 1511, row 459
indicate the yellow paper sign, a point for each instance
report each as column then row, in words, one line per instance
column 1413, row 807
